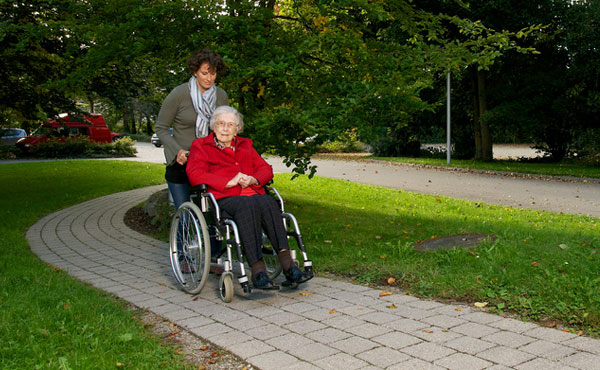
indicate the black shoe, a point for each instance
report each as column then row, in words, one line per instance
column 262, row 281
column 295, row 276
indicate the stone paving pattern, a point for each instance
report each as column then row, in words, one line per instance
column 327, row 324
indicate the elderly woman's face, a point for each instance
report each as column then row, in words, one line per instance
column 225, row 128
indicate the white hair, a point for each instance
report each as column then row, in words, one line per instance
column 223, row 109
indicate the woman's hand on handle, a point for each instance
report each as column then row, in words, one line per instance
column 182, row 156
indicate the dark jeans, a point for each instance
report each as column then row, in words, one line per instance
column 179, row 192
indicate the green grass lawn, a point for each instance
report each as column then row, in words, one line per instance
column 543, row 266
column 47, row 319
column 564, row 168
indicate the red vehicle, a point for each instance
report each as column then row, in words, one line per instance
column 87, row 125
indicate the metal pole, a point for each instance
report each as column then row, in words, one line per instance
column 448, row 119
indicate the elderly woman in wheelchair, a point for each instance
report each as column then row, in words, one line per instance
column 230, row 184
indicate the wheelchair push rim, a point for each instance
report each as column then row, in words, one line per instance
column 189, row 247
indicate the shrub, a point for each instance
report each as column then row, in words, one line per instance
column 397, row 143
column 8, row 152
column 124, row 147
column 349, row 143
column 143, row 138
column 82, row 148
column 586, row 147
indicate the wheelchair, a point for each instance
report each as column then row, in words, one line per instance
column 202, row 237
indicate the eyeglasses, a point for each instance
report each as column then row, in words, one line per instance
column 226, row 124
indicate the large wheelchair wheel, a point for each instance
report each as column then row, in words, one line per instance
column 189, row 247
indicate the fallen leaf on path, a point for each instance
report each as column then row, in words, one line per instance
column 392, row 306
column 204, row 348
column 391, row 280
column 332, row 312
column 304, row 294
column 480, row 304
column 428, row 331
column 383, row 294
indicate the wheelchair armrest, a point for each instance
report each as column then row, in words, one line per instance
column 202, row 188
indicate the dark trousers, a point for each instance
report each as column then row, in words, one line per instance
column 253, row 214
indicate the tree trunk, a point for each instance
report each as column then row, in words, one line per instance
column 476, row 115
column 483, row 136
column 148, row 125
column 91, row 104
column 129, row 120
column 487, row 153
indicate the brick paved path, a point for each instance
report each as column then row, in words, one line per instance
column 336, row 325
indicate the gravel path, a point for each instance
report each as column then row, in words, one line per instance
column 577, row 196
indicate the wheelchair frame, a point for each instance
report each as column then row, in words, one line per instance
column 190, row 245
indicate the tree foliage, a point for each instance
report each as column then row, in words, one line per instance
column 303, row 72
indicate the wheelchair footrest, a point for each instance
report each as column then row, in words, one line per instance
column 246, row 288
column 308, row 270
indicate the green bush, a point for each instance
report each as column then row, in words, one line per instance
column 82, row 148
column 348, row 143
column 124, row 147
column 143, row 138
column 586, row 147
column 8, row 152
column 397, row 143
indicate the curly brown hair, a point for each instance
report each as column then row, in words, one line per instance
column 213, row 59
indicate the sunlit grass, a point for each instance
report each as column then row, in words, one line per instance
column 564, row 168
column 542, row 265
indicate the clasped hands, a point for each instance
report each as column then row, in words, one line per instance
column 242, row 180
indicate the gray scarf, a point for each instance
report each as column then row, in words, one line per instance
column 204, row 104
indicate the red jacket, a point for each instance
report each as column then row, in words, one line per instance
column 210, row 165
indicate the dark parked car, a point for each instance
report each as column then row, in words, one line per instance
column 156, row 141
column 10, row 136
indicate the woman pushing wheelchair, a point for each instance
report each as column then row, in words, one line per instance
column 235, row 174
